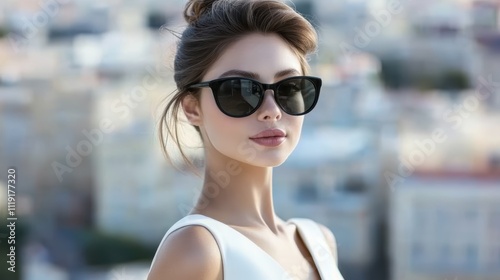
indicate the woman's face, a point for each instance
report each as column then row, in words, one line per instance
column 268, row 59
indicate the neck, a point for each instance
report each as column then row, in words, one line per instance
column 238, row 194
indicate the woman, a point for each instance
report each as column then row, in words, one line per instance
column 240, row 71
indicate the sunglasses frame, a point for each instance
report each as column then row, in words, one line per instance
column 215, row 85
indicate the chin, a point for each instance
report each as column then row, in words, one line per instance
column 263, row 160
column 254, row 155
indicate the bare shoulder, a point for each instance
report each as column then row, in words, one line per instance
column 330, row 238
column 190, row 252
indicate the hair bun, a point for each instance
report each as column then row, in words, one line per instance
column 196, row 8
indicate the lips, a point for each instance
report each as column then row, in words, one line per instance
column 269, row 137
column 269, row 133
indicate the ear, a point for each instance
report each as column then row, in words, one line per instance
column 192, row 110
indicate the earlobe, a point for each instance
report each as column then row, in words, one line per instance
column 192, row 110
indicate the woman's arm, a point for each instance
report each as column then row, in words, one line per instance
column 188, row 253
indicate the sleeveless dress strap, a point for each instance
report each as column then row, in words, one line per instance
column 315, row 241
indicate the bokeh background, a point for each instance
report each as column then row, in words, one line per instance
column 400, row 159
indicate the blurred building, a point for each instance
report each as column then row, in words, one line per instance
column 16, row 144
column 485, row 16
column 440, row 41
column 46, row 106
column 446, row 226
column 333, row 13
column 132, row 190
column 487, row 34
column 332, row 178
column 134, row 185
column 426, row 41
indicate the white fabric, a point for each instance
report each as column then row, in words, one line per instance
column 244, row 260
column 316, row 243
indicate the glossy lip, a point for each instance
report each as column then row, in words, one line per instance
column 275, row 132
column 269, row 137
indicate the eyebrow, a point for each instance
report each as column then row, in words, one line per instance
column 241, row 73
column 287, row 72
column 255, row 76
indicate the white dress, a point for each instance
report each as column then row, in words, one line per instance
column 242, row 259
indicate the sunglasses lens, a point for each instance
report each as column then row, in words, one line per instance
column 296, row 96
column 238, row 97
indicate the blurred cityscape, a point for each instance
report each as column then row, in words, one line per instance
column 400, row 159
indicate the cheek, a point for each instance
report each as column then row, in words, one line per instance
column 218, row 127
column 296, row 127
column 211, row 115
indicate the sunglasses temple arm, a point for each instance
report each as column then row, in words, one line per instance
column 199, row 85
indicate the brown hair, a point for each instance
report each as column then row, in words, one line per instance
column 212, row 26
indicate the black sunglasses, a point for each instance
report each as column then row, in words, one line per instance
column 240, row 97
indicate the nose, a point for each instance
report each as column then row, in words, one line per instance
column 269, row 110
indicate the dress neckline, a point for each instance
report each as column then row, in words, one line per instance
column 271, row 258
